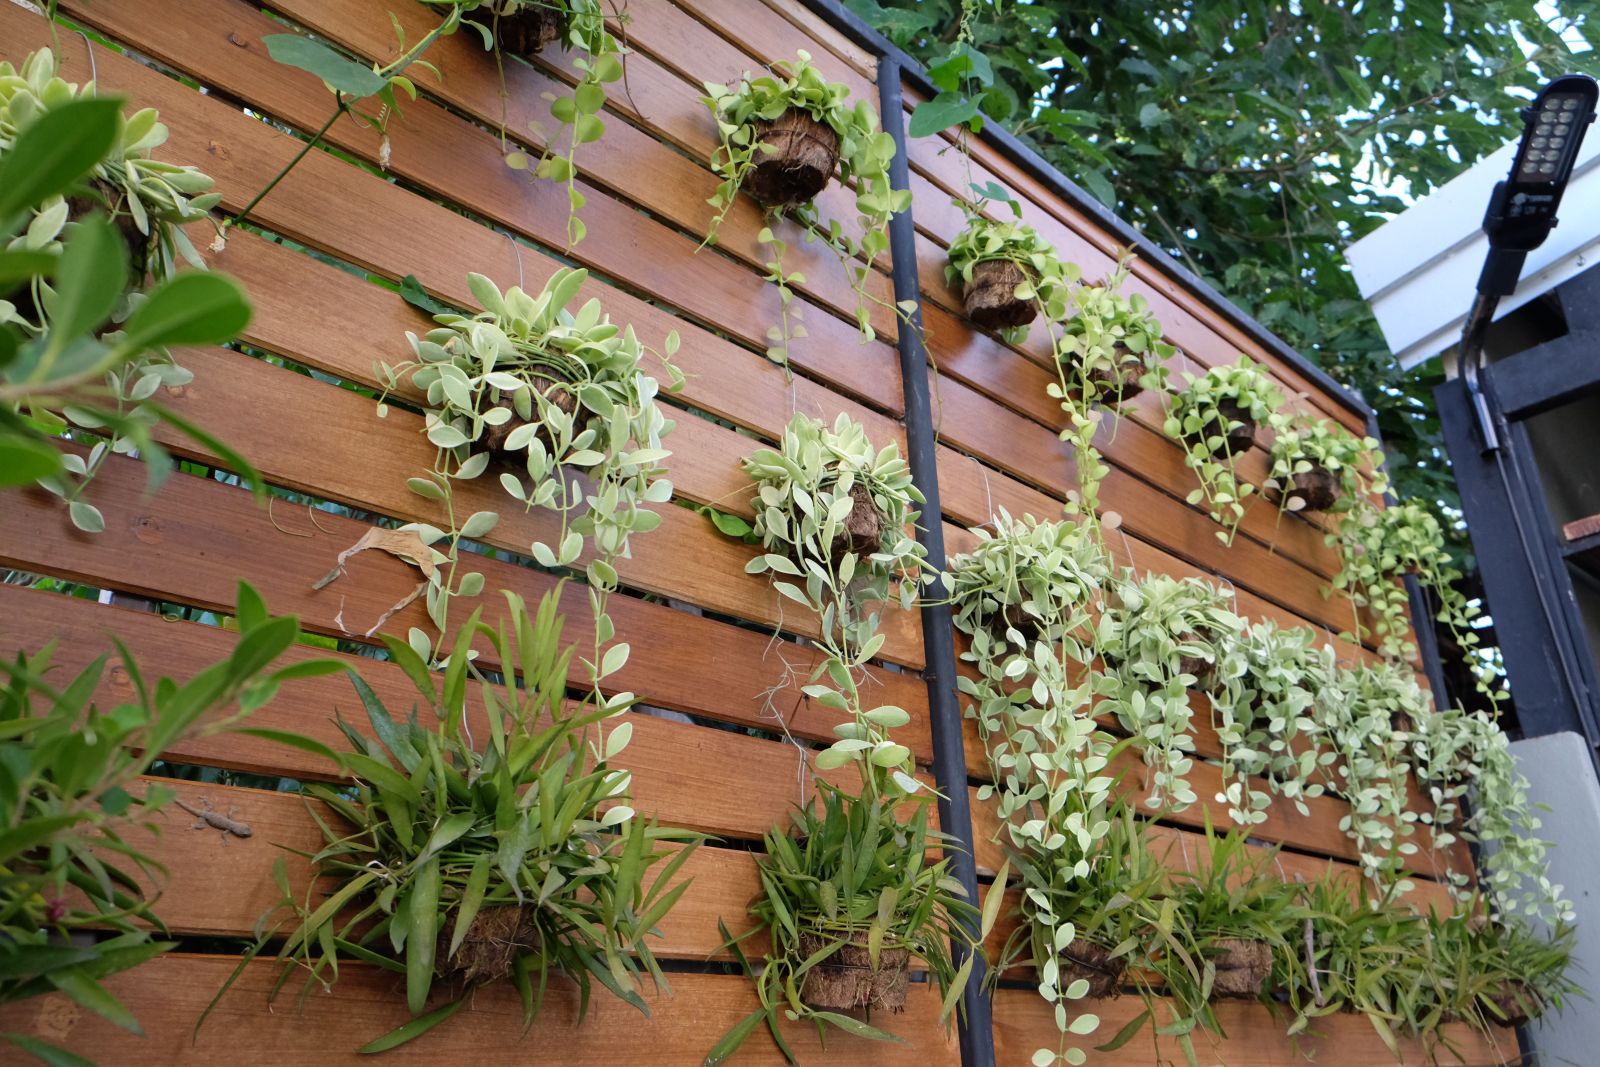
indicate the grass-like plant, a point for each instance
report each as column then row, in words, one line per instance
column 1214, row 417
column 780, row 137
column 1008, row 273
column 557, row 404
column 487, row 844
column 71, row 793
column 1162, row 638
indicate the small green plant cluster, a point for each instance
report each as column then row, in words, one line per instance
column 1213, row 418
column 1263, row 710
column 559, row 402
column 1107, row 350
column 1307, row 444
column 1161, row 637
column 848, row 894
column 834, row 516
column 73, row 807
column 501, row 849
column 864, row 152
column 91, row 230
column 580, row 26
column 1048, row 283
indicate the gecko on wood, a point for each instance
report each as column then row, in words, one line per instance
column 216, row 820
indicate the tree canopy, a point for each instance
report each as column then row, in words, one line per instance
column 1254, row 140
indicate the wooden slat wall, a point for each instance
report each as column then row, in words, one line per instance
column 702, row 631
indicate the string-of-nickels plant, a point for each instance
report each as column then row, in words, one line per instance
column 1370, row 712
column 833, row 515
column 1160, row 638
column 1107, row 351
column 1316, row 466
column 1026, row 597
column 1459, row 754
column 848, row 894
column 1215, row 418
column 148, row 202
column 524, row 28
column 1262, row 709
column 781, row 136
column 558, row 405
column 1009, row 275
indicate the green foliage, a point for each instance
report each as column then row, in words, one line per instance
column 582, row 28
column 468, row 865
column 864, row 154
column 83, row 339
column 1303, row 443
column 1049, row 284
column 811, row 494
column 1254, row 141
column 545, row 392
column 1210, row 406
column 70, row 794
column 1161, row 637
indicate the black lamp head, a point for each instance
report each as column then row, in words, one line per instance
column 1522, row 211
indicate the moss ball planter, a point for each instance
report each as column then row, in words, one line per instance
column 526, row 29
column 990, row 299
column 804, row 154
column 862, row 529
column 848, row 981
column 1242, row 968
column 1312, row 491
column 1094, row 964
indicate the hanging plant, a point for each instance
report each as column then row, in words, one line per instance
column 781, row 137
column 1262, row 710
column 1496, row 974
column 833, row 515
column 442, row 876
column 1316, row 464
column 1009, row 274
column 525, row 28
column 1215, row 418
column 148, row 202
column 1161, row 637
column 558, row 406
column 1234, row 909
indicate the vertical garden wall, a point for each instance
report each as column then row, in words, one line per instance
column 725, row 738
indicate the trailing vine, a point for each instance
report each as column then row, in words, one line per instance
column 558, row 404
column 1214, row 418
column 780, row 137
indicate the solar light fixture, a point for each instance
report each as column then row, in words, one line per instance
column 1522, row 212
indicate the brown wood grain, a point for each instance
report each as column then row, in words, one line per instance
column 327, row 1027
column 1023, row 1021
column 197, row 538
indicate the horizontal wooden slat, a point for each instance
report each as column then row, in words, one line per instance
column 197, row 538
column 168, row 994
column 1023, row 1021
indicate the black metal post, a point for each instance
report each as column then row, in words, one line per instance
column 938, row 632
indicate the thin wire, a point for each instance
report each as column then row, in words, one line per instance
column 516, row 251
column 94, row 74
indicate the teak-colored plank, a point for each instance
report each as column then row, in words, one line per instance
column 1578, row 529
column 192, row 542
column 168, row 995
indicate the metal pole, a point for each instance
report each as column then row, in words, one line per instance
column 938, row 632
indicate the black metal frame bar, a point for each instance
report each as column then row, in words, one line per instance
column 938, row 632
column 852, row 26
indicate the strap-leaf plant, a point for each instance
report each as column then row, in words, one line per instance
column 1214, row 418
column 1107, row 350
column 1026, row 598
column 1009, row 274
column 780, row 137
column 79, row 322
column 78, row 889
column 1161, row 638
column 524, row 28
column 557, row 406
column 485, row 846
column 848, row 894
